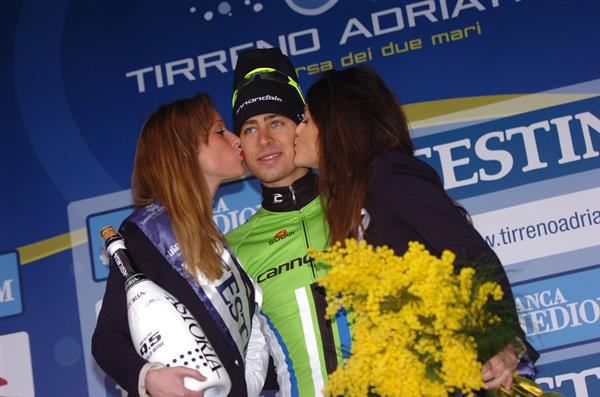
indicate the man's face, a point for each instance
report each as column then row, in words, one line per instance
column 267, row 141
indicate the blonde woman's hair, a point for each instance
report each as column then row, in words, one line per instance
column 166, row 168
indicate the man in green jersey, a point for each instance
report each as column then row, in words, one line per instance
column 272, row 245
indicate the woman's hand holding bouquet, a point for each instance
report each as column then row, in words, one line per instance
column 420, row 330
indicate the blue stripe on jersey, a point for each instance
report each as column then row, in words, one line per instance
column 288, row 360
column 344, row 332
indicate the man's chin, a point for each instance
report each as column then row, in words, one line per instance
column 263, row 173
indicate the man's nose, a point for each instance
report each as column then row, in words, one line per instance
column 264, row 135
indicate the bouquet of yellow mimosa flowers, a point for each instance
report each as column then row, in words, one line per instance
column 419, row 328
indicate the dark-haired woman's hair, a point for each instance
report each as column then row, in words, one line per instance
column 166, row 168
column 358, row 118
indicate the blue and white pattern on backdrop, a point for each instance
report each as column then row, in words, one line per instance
column 503, row 97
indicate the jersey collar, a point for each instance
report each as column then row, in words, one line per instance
column 291, row 198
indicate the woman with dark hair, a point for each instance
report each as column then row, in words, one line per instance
column 356, row 133
column 184, row 152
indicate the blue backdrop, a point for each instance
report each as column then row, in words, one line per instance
column 503, row 97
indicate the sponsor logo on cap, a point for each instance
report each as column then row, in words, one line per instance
column 258, row 99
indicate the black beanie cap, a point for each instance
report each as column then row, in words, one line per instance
column 265, row 95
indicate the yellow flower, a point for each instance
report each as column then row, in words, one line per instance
column 409, row 315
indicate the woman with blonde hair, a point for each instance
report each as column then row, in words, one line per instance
column 183, row 154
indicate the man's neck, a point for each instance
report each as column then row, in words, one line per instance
column 293, row 197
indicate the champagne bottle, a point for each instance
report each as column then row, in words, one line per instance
column 162, row 328
column 524, row 387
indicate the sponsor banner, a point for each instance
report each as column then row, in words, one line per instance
column 560, row 311
column 543, row 227
column 10, row 285
column 517, row 150
column 16, row 375
column 235, row 203
column 578, row 377
column 384, row 33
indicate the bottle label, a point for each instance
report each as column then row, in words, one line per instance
column 133, row 280
column 229, row 301
column 121, row 265
column 114, row 246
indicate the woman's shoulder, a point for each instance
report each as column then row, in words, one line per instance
column 136, row 241
column 130, row 231
column 396, row 163
column 142, row 218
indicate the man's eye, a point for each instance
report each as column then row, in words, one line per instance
column 276, row 123
column 249, row 130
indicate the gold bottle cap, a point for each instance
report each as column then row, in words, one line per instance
column 108, row 232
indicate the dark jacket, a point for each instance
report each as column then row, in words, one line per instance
column 406, row 202
column 111, row 343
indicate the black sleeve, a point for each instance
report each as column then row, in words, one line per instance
column 111, row 343
column 412, row 192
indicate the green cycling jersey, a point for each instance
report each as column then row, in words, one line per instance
column 272, row 247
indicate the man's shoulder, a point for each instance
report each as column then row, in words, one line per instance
column 260, row 222
column 235, row 236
